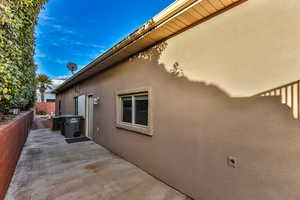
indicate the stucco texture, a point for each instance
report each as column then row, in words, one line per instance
column 245, row 50
column 196, row 125
column 12, row 138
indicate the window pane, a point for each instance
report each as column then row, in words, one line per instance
column 141, row 110
column 127, row 109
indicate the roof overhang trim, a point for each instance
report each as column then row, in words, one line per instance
column 178, row 16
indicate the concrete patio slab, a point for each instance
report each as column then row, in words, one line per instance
column 49, row 168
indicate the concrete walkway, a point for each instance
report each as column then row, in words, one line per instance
column 49, row 168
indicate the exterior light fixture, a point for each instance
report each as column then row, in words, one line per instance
column 96, row 100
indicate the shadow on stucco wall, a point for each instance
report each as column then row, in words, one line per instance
column 219, row 147
column 205, row 143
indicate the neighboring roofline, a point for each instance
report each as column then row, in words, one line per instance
column 156, row 23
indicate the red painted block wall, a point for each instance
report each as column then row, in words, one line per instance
column 12, row 139
column 49, row 107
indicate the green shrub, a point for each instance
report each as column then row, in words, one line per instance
column 41, row 112
column 17, row 42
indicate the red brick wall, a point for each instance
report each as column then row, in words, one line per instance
column 12, row 140
column 49, row 107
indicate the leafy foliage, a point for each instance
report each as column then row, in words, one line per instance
column 43, row 83
column 17, row 42
column 41, row 112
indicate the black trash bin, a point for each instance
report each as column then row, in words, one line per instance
column 56, row 123
column 72, row 126
column 59, row 120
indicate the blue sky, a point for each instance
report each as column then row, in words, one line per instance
column 79, row 31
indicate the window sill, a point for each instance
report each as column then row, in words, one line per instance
column 138, row 129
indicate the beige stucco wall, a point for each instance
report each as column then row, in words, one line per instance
column 196, row 125
column 248, row 49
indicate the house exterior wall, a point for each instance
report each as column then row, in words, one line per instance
column 248, row 49
column 49, row 97
column 198, row 121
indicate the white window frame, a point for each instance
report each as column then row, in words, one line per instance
column 147, row 130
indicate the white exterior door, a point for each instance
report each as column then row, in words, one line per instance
column 81, row 106
column 89, row 117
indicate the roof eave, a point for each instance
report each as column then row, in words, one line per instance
column 156, row 24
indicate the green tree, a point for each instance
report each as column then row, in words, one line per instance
column 43, row 83
column 17, row 43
